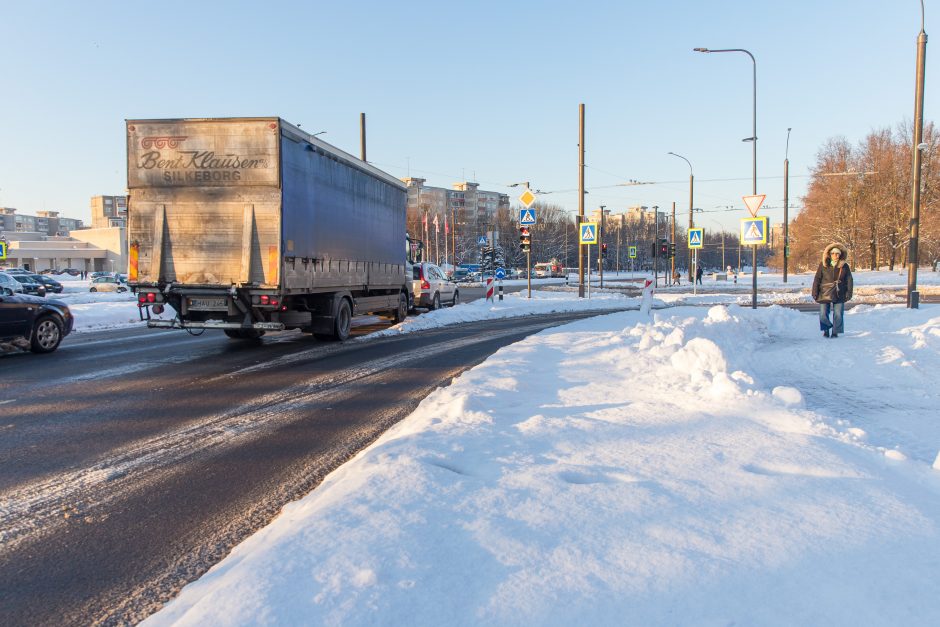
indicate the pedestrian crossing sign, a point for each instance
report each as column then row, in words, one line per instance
column 589, row 232
column 526, row 217
column 696, row 237
column 632, row 252
column 753, row 231
column 3, row 250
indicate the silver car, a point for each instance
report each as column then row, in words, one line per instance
column 7, row 281
column 431, row 289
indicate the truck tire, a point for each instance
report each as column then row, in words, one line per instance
column 47, row 334
column 402, row 312
column 342, row 322
column 243, row 334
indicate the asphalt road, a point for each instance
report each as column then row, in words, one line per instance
column 131, row 461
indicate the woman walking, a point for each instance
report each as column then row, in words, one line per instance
column 832, row 288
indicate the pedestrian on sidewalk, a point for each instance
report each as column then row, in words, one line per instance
column 675, row 278
column 832, row 288
column 698, row 275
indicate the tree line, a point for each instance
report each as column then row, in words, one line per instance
column 860, row 196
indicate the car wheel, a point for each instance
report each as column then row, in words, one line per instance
column 436, row 302
column 456, row 300
column 343, row 321
column 402, row 312
column 46, row 335
column 94, row 289
column 122, row 289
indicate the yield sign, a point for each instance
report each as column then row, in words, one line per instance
column 589, row 233
column 527, row 217
column 753, row 203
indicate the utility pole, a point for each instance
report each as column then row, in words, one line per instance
column 786, row 206
column 672, row 260
column 913, row 296
column 362, row 135
column 600, row 247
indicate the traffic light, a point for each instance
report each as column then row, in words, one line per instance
column 604, row 250
column 663, row 248
column 525, row 240
column 672, row 249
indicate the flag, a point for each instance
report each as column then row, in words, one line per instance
column 446, row 228
column 437, row 226
column 424, row 220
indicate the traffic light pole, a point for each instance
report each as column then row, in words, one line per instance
column 528, row 270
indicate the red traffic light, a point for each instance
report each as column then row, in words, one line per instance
column 524, row 230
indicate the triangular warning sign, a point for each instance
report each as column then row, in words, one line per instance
column 753, row 232
column 753, row 203
column 694, row 239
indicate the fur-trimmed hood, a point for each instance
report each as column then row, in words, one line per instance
column 843, row 254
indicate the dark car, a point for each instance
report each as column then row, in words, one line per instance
column 30, row 322
column 30, row 286
column 51, row 284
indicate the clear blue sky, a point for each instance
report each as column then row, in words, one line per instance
column 485, row 91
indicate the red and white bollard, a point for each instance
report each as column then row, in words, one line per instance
column 489, row 288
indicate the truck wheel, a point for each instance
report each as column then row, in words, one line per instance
column 244, row 334
column 342, row 322
column 402, row 312
column 456, row 300
column 436, row 302
column 46, row 335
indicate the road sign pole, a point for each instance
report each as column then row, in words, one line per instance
column 589, row 270
column 695, row 274
column 528, row 270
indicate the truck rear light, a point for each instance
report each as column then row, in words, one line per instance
column 142, row 298
column 151, row 297
column 145, row 298
column 265, row 299
column 274, row 302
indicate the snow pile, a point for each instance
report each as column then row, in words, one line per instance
column 700, row 466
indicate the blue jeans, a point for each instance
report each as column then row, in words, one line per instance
column 838, row 309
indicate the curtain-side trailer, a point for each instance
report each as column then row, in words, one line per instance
column 250, row 224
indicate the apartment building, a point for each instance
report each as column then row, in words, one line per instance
column 108, row 211
column 45, row 222
column 465, row 202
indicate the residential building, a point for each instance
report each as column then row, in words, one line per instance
column 108, row 211
column 46, row 222
column 465, row 202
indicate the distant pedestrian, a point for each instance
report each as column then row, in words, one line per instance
column 698, row 275
column 675, row 278
column 832, row 288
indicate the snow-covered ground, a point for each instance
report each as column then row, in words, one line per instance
column 708, row 465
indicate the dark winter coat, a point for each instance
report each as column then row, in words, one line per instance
column 833, row 283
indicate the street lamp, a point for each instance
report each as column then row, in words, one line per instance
column 753, row 139
column 786, row 206
column 913, row 296
column 691, row 220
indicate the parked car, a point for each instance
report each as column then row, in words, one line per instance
column 107, row 283
column 430, row 289
column 27, row 321
column 51, row 284
column 99, row 273
column 30, row 286
column 7, row 281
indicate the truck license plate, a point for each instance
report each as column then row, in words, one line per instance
column 208, row 304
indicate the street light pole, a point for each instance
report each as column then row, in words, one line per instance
column 913, row 296
column 752, row 138
column 786, row 206
column 691, row 220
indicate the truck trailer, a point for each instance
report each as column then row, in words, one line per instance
column 251, row 224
